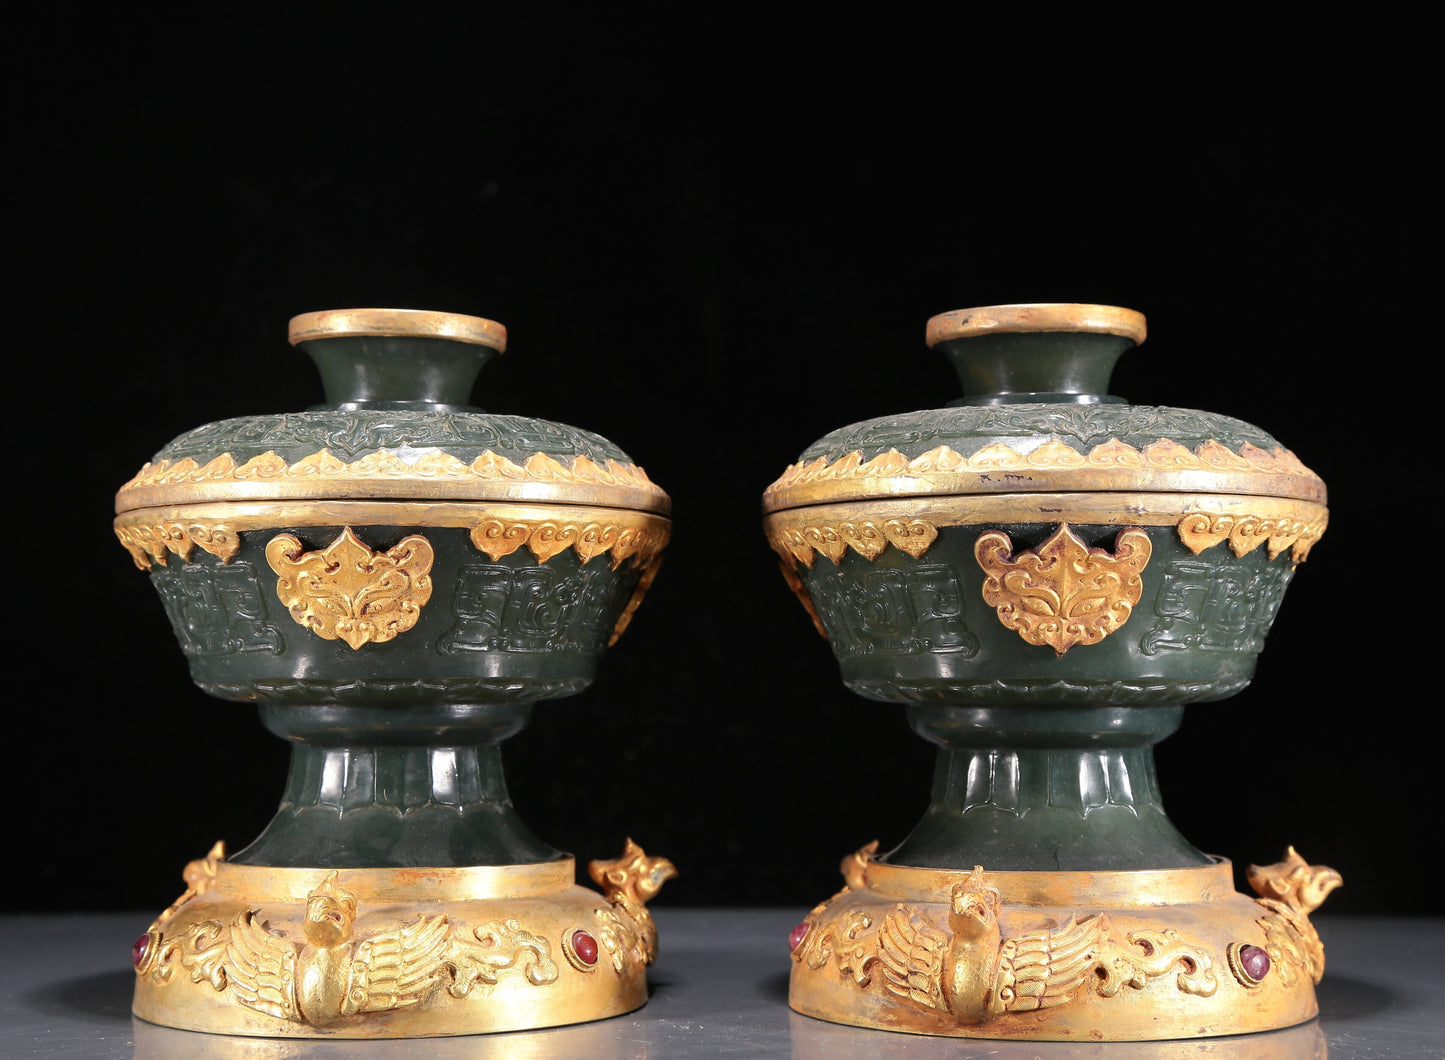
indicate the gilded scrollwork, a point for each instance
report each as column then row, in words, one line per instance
column 1290, row 890
column 149, row 543
column 640, row 543
column 621, row 937
column 867, row 537
column 1063, row 593
column 845, row 939
column 1245, row 533
column 1149, row 954
column 1053, row 465
column 495, row 948
column 199, row 951
column 349, row 592
column 322, row 473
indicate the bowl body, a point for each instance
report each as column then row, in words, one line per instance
column 1045, row 552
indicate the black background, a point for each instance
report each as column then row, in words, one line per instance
column 711, row 240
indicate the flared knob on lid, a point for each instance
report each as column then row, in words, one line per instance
column 1051, row 351
column 397, row 357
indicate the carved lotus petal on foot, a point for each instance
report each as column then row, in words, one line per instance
column 1063, row 593
column 350, row 592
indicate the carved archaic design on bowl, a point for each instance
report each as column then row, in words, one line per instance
column 533, row 609
column 1223, row 607
column 894, row 610
column 218, row 609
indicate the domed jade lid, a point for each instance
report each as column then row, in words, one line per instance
column 1036, row 417
column 396, row 425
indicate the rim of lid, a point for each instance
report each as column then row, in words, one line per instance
column 389, row 323
column 1036, row 316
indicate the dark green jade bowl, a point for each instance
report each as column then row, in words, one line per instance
column 1045, row 575
column 394, row 577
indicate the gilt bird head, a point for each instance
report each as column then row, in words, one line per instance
column 330, row 914
column 854, row 866
column 1294, row 881
column 975, row 907
column 200, row 875
column 1317, row 887
column 633, row 876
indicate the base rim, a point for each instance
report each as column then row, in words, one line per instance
column 312, row 953
column 1063, row 956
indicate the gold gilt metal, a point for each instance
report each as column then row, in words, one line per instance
column 366, row 323
column 1291, row 890
column 623, row 538
column 1072, row 956
column 1053, row 466
column 635, row 600
column 845, row 940
column 329, row 974
column 349, row 592
column 199, row 952
column 913, row 523
column 1063, row 593
column 969, row 971
column 867, row 537
column 200, row 877
column 629, row 883
column 1245, row 533
column 386, row 475
column 150, row 541
column 397, row 952
column 497, row 529
column 1202, row 520
column 1032, row 318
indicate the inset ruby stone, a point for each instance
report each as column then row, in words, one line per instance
column 139, row 949
column 797, row 935
column 1254, row 961
column 585, row 946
